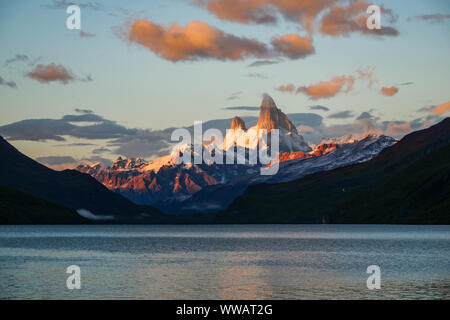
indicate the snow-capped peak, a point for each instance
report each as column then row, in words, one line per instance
column 270, row 117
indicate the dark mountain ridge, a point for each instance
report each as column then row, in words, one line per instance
column 340, row 195
column 17, row 207
column 69, row 188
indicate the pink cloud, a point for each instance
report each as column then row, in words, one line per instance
column 389, row 91
column 197, row 40
column 334, row 18
column 441, row 109
column 286, row 88
column 266, row 11
column 50, row 72
column 328, row 89
column 293, row 46
column 343, row 20
column 397, row 129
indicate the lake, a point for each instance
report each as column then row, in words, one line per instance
column 225, row 261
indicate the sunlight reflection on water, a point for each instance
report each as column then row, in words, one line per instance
column 225, row 262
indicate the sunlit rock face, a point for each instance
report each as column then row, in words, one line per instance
column 270, row 117
column 237, row 123
column 166, row 182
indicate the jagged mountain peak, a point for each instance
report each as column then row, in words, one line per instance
column 268, row 102
column 270, row 117
column 350, row 138
column 237, row 123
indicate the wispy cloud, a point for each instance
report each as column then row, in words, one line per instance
column 246, row 108
column 63, row 4
column 435, row 17
column 86, row 34
column 130, row 142
column 101, row 150
column 365, row 115
column 260, row 63
column 76, row 144
column 338, row 85
column 17, row 58
column 257, row 75
column 235, row 95
column 342, row 115
column 318, row 107
column 56, row 129
column 290, row 88
column 6, row 83
column 425, row 109
column 85, row 117
column 83, row 110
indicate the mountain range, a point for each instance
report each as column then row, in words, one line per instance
column 367, row 178
column 408, row 182
column 185, row 188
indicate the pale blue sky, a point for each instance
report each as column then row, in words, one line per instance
column 138, row 89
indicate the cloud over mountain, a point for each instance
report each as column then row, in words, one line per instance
column 341, row 115
column 83, row 110
column 69, row 162
column 318, row 107
column 246, row 108
column 441, row 109
column 56, row 129
column 55, row 160
column 365, row 115
column 396, row 128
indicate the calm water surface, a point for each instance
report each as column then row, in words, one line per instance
column 225, row 262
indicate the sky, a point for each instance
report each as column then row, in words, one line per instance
column 137, row 68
